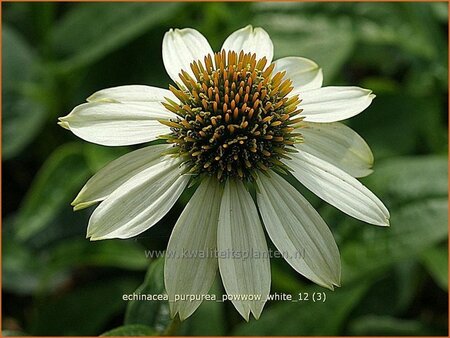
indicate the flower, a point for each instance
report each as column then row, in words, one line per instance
column 234, row 121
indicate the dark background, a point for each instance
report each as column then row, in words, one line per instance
column 55, row 282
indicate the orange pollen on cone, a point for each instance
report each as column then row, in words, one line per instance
column 234, row 116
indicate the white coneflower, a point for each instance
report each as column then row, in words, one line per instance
column 234, row 120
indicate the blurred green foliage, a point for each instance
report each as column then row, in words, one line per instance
column 56, row 54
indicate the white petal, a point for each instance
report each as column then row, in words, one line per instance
column 139, row 203
column 240, row 233
column 181, row 47
column 339, row 145
column 132, row 94
column 331, row 104
column 250, row 40
column 338, row 188
column 304, row 73
column 117, row 124
column 298, row 231
column 116, row 173
column 190, row 263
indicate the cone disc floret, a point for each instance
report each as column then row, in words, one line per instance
column 234, row 116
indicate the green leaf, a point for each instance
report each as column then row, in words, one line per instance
column 124, row 254
column 412, row 178
column 54, row 187
column 19, row 58
column 382, row 27
column 435, row 261
column 22, row 269
column 408, row 277
column 440, row 11
column 22, row 115
column 92, row 30
column 22, row 120
column 307, row 318
column 388, row 326
column 153, row 313
column 27, row 269
column 92, row 305
column 132, row 330
column 387, row 112
column 410, row 233
column 392, row 292
column 312, row 37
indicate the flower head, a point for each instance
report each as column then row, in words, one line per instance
column 234, row 116
column 235, row 119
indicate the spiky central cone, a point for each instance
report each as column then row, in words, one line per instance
column 234, row 117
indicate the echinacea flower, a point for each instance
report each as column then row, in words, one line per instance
column 234, row 121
